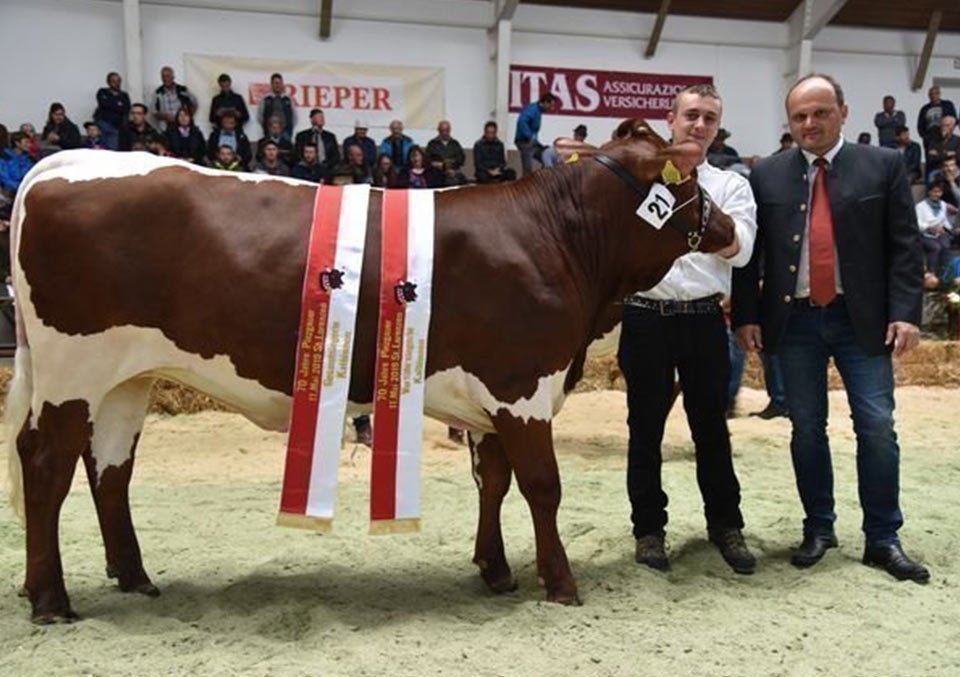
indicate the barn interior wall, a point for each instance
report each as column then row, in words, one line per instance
column 61, row 50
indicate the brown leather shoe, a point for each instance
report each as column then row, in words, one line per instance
column 652, row 552
column 734, row 549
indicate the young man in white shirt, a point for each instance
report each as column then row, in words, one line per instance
column 678, row 326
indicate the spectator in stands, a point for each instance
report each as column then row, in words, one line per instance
column 490, row 158
column 227, row 160
column 169, row 98
column 419, row 173
column 864, row 138
column 928, row 121
column 31, row 133
column 451, row 152
column 721, row 155
column 228, row 100
column 551, row 158
column 4, row 141
column 270, row 162
column 232, row 135
column 951, row 177
column 94, row 139
column 385, row 174
column 397, row 145
column 137, row 131
column 328, row 150
column 113, row 108
column 910, row 152
column 60, row 133
column 356, row 169
column 275, row 135
column 158, row 145
column 935, row 227
column 888, row 121
column 944, row 146
column 360, row 138
column 277, row 104
column 528, row 129
column 15, row 165
column 309, row 167
column 786, row 143
column 185, row 140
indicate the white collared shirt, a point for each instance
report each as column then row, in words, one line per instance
column 697, row 275
column 803, row 271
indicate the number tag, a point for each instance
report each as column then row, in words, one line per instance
column 658, row 207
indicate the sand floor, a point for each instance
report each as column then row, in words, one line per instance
column 241, row 596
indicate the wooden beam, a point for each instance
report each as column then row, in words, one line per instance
column 822, row 14
column 505, row 9
column 924, row 63
column 326, row 18
column 657, row 28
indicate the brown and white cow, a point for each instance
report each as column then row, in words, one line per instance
column 129, row 268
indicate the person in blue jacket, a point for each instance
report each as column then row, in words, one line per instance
column 528, row 126
column 15, row 164
column 397, row 146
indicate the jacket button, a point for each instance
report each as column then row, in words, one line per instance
column 803, row 206
column 796, row 238
column 793, row 268
column 787, row 298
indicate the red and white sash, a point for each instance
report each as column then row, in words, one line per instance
column 406, row 272
column 331, row 291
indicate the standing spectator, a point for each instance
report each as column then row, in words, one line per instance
column 309, row 168
column 360, row 138
column 227, row 100
column 15, row 165
column 275, row 135
column 490, row 158
column 842, row 283
column 328, row 150
column 528, row 129
column 451, row 152
column 185, row 140
column 888, row 121
column 31, row 133
column 113, row 108
column 270, row 162
column 277, row 104
column 397, row 145
column 786, row 143
column 551, row 158
column 385, row 174
column 94, row 139
column 944, row 146
column 227, row 160
column 230, row 134
column 910, row 152
column 169, row 98
column 928, row 121
column 935, row 227
column 419, row 174
column 138, row 131
column 59, row 132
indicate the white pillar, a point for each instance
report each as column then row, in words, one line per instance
column 502, row 78
column 133, row 49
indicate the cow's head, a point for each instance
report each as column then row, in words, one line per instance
column 640, row 158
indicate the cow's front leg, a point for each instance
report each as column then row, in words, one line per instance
column 491, row 472
column 529, row 449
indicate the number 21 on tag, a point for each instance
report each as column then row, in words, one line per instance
column 658, row 207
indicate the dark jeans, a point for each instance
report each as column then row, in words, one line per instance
column 773, row 380
column 937, row 253
column 651, row 348
column 812, row 336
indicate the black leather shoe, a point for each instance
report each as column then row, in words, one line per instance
column 651, row 551
column 771, row 411
column 734, row 549
column 812, row 549
column 895, row 562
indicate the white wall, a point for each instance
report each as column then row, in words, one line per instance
column 62, row 49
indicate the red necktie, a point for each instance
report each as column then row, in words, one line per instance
column 823, row 285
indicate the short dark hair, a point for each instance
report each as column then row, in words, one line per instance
column 786, row 136
column 224, row 78
column 314, row 111
column 889, row 97
column 90, row 123
column 139, row 105
column 270, row 142
column 704, row 89
column 111, row 74
column 837, row 89
column 274, row 76
column 490, row 123
column 311, row 144
column 547, row 98
column 17, row 137
column 227, row 146
column 937, row 182
column 901, row 129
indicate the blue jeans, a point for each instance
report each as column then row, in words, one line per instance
column 110, row 134
column 773, row 379
column 812, row 336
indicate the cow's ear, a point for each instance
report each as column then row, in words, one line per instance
column 570, row 149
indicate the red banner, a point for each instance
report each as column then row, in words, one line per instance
column 595, row 93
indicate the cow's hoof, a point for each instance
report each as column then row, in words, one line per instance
column 148, row 589
column 567, row 598
column 501, row 585
column 52, row 617
column 23, row 592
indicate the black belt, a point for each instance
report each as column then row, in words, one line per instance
column 704, row 306
column 806, row 303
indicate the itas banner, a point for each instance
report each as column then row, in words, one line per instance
column 345, row 92
column 594, row 93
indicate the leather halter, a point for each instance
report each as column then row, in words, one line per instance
column 694, row 237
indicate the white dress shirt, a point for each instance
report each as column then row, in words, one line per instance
column 803, row 273
column 697, row 275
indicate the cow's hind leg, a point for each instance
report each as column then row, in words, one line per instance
column 48, row 456
column 529, row 449
column 491, row 472
column 109, row 464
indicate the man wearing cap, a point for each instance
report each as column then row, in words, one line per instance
column 360, row 138
column 226, row 100
column 328, row 150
